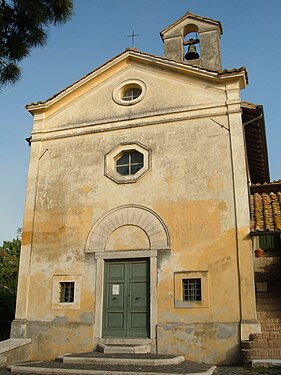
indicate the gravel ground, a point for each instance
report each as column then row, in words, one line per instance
column 229, row 370
column 221, row 370
column 181, row 368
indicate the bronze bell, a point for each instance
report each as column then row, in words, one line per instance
column 191, row 53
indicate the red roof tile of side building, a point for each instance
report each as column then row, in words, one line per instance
column 266, row 207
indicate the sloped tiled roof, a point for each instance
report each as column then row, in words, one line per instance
column 266, row 207
column 256, row 145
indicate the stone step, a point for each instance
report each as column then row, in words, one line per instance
column 59, row 368
column 262, row 295
column 261, row 343
column 272, row 268
column 276, row 315
column 269, row 275
column 268, row 285
column 142, row 360
column 264, row 352
column 269, row 327
column 260, row 353
column 123, row 348
column 269, row 363
column 267, row 261
column 269, row 307
column 274, row 284
column 266, row 336
column 269, row 300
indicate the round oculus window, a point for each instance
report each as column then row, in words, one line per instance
column 129, row 92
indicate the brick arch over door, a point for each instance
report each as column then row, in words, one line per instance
column 139, row 216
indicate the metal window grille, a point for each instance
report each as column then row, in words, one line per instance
column 67, row 292
column 191, row 289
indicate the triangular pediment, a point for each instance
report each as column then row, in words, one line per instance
column 123, row 61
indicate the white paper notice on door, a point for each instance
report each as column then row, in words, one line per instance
column 115, row 289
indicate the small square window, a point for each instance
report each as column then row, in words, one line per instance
column 66, row 292
column 191, row 290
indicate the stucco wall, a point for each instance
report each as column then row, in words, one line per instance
column 191, row 185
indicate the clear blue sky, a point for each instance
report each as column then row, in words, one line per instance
column 97, row 32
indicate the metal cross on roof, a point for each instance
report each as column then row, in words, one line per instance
column 133, row 35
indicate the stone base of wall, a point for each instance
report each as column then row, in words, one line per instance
column 14, row 351
column 50, row 339
column 211, row 343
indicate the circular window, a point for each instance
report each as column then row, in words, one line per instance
column 129, row 92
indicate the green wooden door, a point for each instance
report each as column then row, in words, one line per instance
column 126, row 298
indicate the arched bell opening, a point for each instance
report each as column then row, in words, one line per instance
column 191, row 43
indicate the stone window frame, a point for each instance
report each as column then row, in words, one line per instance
column 126, row 85
column 112, row 156
column 57, row 279
column 179, row 278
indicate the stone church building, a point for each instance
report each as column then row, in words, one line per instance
column 137, row 217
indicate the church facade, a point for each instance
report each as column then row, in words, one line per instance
column 136, row 225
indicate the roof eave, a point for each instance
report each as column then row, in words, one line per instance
column 264, row 233
column 32, row 107
column 236, row 73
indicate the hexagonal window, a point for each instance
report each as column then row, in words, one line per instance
column 127, row 162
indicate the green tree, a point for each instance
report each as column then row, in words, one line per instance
column 9, row 266
column 23, row 25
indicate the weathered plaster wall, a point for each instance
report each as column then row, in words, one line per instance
column 211, row 342
column 96, row 105
column 191, row 186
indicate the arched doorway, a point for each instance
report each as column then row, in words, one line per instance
column 126, row 242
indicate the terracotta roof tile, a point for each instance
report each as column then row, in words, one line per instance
column 266, row 208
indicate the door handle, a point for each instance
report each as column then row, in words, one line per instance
column 114, row 297
column 137, row 298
